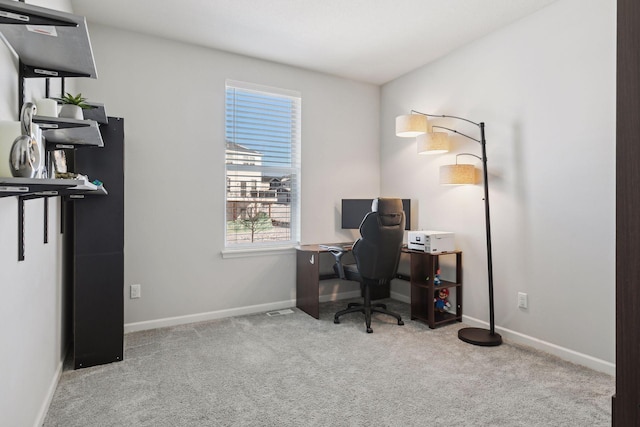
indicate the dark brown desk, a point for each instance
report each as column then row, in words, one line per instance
column 423, row 267
column 308, row 276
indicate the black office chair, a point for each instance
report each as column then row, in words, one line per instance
column 377, row 253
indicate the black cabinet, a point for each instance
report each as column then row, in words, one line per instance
column 94, row 250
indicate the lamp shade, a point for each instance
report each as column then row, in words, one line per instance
column 457, row 174
column 433, row 143
column 411, row 125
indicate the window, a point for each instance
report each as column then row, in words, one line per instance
column 262, row 137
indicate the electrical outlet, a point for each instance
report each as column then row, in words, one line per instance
column 523, row 300
column 135, row 291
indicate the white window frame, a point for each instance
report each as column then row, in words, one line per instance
column 293, row 170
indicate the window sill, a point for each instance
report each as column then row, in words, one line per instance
column 249, row 252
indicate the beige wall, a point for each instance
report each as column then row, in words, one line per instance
column 171, row 96
column 32, row 303
column 545, row 86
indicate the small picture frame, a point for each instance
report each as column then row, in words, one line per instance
column 59, row 161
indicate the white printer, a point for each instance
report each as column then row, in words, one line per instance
column 433, row 242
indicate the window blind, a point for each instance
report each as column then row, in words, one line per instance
column 262, row 155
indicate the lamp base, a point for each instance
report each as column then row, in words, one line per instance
column 479, row 336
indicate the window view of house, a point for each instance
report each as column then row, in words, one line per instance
column 262, row 166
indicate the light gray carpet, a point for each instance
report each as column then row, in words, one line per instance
column 294, row 370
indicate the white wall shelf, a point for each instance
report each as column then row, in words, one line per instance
column 63, row 133
column 50, row 43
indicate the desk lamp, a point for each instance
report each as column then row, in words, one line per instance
column 417, row 125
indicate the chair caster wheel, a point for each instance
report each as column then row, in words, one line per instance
column 336, row 321
column 369, row 330
column 400, row 322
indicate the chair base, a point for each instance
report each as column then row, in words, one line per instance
column 367, row 310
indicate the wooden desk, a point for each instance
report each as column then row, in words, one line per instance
column 422, row 272
column 308, row 276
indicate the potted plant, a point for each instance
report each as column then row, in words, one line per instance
column 72, row 106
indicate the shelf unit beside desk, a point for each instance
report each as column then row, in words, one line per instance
column 423, row 267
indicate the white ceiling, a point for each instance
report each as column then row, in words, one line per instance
column 368, row 40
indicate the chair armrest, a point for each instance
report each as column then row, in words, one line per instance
column 337, row 253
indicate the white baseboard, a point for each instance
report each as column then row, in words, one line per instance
column 400, row 297
column 211, row 315
column 356, row 294
column 44, row 408
column 563, row 353
column 517, row 337
column 340, row 296
column 219, row 314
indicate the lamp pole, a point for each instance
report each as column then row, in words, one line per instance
column 487, row 219
column 479, row 336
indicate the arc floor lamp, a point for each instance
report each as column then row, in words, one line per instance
column 429, row 141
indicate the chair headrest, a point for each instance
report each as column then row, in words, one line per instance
column 389, row 210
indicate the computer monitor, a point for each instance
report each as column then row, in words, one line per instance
column 354, row 210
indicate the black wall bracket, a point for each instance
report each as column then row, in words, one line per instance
column 20, row 228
